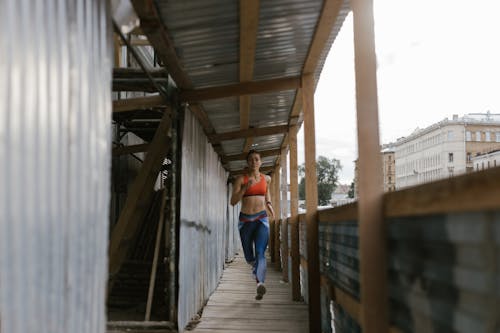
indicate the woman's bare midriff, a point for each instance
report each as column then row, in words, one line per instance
column 253, row 204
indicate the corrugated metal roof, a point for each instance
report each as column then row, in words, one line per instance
column 285, row 33
column 206, row 35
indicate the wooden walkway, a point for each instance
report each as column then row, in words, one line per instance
column 232, row 308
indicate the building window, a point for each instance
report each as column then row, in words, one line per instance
column 469, row 157
column 478, row 136
column 450, row 135
column 497, row 135
column 468, row 136
column 488, row 164
column 450, row 157
column 487, row 136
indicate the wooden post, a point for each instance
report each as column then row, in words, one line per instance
column 311, row 204
column 284, row 221
column 277, row 218
column 272, row 221
column 152, row 277
column 372, row 236
column 294, row 214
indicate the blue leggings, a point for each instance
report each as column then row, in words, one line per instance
column 254, row 233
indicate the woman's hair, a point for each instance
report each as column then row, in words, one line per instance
column 251, row 152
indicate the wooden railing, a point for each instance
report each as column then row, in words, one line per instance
column 443, row 242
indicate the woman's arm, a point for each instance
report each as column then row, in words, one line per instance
column 239, row 190
column 269, row 204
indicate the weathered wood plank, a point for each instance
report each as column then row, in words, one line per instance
column 233, row 308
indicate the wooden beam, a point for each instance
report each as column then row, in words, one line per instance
column 324, row 27
column 138, row 197
column 277, row 218
column 472, row 192
column 265, row 170
column 284, row 209
column 131, row 104
column 294, row 214
column 243, row 156
column 311, row 205
column 137, row 73
column 252, row 132
column 244, row 88
column 372, row 231
column 130, row 149
column 153, row 28
column 249, row 23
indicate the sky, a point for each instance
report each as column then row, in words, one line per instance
column 435, row 58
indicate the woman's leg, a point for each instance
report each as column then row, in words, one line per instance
column 247, row 230
column 261, row 240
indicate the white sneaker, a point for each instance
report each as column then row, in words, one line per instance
column 261, row 290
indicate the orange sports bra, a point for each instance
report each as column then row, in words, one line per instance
column 257, row 189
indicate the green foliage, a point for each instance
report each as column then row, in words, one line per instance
column 327, row 172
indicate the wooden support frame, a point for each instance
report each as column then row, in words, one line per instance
column 251, row 132
column 372, row 232
column 131, row 104
column 242, row 157
column 311, row 204
column 265, row 170
column 294, row 214
column 277, row 217
column 284, row 209
column 249, row 23
column 139, row 194
column 240, row 89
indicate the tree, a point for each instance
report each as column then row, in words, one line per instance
column 327, row 172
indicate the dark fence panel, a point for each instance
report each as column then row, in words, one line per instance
column 443, row 272
column 339, row 257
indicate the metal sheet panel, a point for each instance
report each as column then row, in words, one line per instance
column 207, row 228
column 285, row 32
column 206, row 35
column 55, row 115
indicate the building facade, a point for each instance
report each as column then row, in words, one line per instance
column 444, row 149
column 486, row 161
column 389, row 167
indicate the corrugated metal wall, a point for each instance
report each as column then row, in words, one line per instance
column 55, row 115
column 208, row 225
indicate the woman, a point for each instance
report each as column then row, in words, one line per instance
column 252, row 189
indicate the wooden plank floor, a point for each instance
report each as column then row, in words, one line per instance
column 232, row 307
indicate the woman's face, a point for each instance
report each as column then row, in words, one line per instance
column 254, row 161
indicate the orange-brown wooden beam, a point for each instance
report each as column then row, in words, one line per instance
column 372, row 231
column 294, row 215
column 311, row 204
